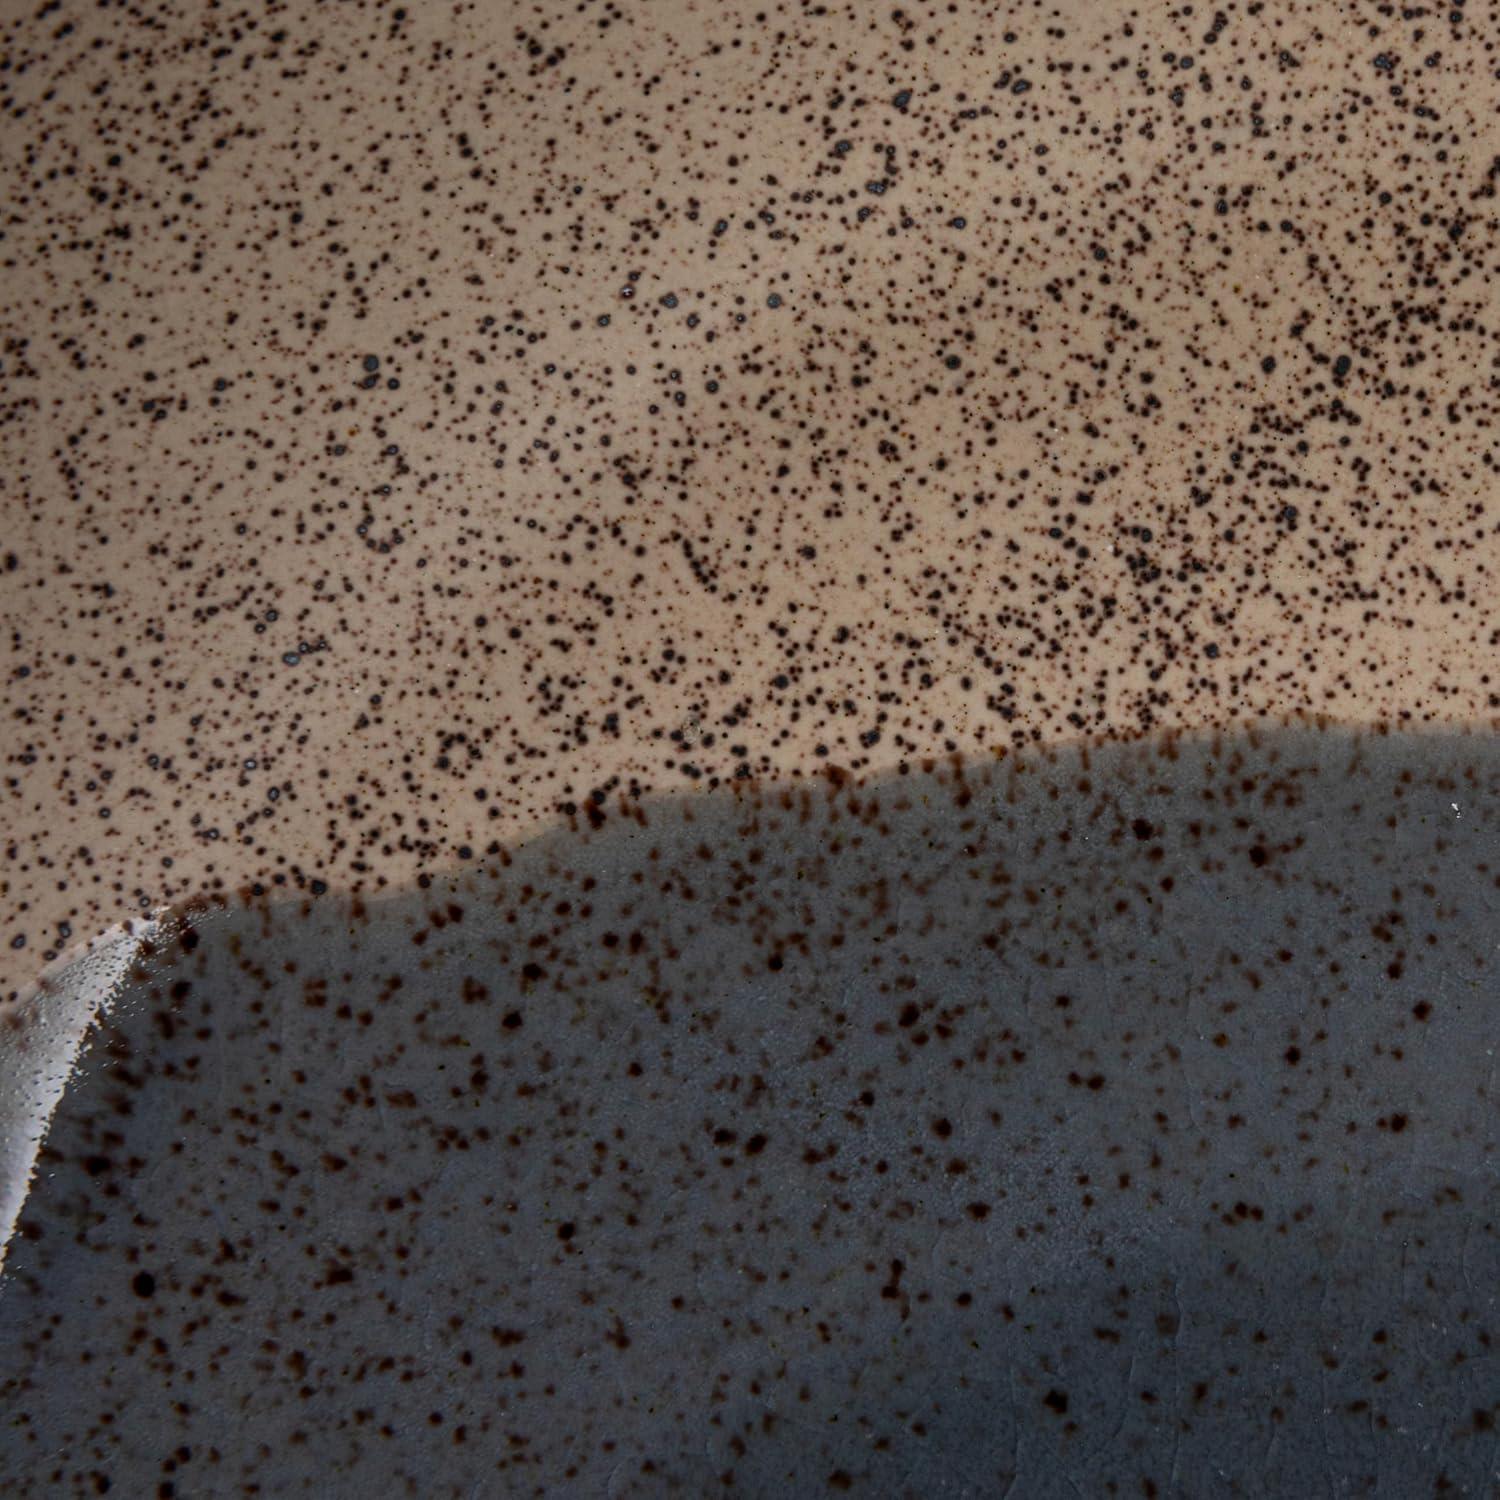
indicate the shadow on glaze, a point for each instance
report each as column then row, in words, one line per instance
column 1114, row 1121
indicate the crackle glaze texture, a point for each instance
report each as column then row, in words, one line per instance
column 750, row 747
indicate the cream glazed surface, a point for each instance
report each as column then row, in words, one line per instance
column 580, row 575
column 419, row 420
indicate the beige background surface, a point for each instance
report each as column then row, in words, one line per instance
column 1129, row 366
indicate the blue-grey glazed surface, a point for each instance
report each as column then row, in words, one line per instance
column 1111, row 1123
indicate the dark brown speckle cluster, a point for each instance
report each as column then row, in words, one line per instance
column 419, row 420
column 651, row 609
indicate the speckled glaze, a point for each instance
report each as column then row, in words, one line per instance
column 1111, row 1123
column 418, row 418
column 817, row 681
